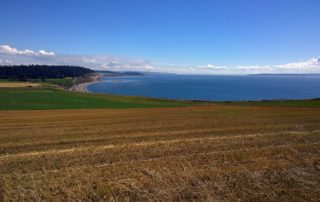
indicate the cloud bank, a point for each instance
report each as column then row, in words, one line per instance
column 10, row 56
column 303, row 67
column 6, row 49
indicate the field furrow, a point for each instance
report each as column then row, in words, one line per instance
column 205, row 153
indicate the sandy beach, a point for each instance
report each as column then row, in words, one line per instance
column 82, row 87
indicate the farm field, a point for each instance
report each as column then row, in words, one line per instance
column 220, row 152
column 280, row 103
column 17, row 84
column 39, row 82
column 50, row 98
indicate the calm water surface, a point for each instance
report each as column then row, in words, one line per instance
column 214, row 88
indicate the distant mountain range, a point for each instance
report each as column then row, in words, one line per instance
column 116, row 73
column 142, row 73
column 130, row 73
column 309, row 74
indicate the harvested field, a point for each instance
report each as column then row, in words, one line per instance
column 202, row 153
column 18, row 84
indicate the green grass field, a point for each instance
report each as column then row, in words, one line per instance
column 67, row 82
column 48, row 98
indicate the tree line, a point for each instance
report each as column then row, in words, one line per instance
column 25, row 72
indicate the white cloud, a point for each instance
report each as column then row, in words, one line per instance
column 6, row 49
column 212, row 67
column 5, row 62
column 309, row 66
column 302, row 67
column 91, row 61
column 312, row 63
column 43, row 52
column 10, row 55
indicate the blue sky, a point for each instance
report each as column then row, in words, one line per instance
column 188, row 33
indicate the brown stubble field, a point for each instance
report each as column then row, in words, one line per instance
column 203, row 153
column 18, row 84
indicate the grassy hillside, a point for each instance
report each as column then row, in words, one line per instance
column 204, row 153
column 48, row 98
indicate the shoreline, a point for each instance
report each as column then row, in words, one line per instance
column 82, row 87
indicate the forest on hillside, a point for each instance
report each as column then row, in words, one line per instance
column 25, row 72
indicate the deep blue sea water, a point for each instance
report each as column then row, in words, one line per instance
column 214, row 88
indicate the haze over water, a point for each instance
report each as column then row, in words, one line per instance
column 213, row 88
